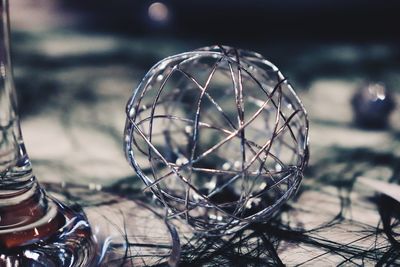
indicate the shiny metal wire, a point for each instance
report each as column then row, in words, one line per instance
column 219, row 136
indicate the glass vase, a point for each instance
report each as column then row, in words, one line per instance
column 35, row 229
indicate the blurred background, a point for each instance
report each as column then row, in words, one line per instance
column 233, row 21
column 305, row 38
column 77, row 62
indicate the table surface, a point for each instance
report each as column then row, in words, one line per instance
column 73, row 87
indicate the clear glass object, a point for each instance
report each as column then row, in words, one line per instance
column 37, row 229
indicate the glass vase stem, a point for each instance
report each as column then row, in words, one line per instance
column 15, row 166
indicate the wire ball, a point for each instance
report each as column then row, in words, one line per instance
column 219, row 136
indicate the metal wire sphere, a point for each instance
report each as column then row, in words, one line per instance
column 219, row 136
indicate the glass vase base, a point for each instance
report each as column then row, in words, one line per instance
column 99, row 229
column 70, row 244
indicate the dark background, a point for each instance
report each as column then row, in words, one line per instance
column 252, row 20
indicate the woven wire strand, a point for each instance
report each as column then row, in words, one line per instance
column 219, row 136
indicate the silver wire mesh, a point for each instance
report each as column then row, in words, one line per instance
column 219, row 136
